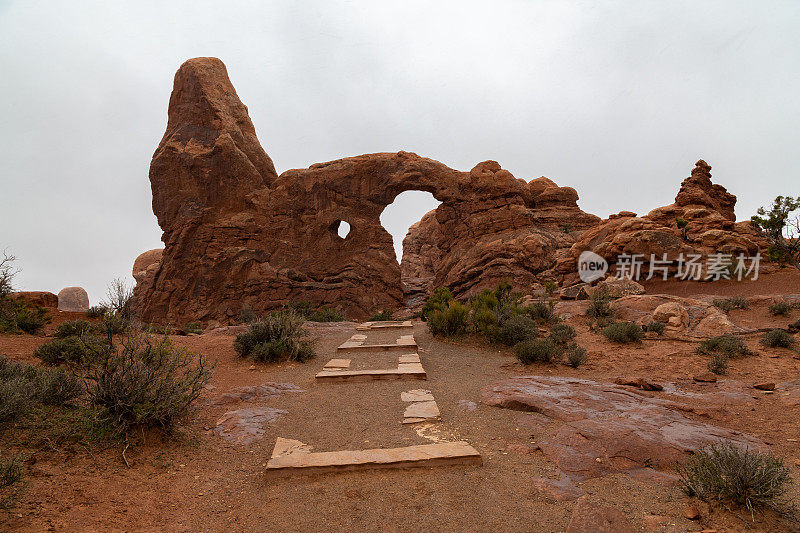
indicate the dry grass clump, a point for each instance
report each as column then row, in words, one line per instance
column 732, row 475
column 729, row 304
column 623, row 332
column 278, row 337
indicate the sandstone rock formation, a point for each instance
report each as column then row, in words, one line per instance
column 236, row 233
column 73, row 299
column 40, row 298
column 706, row 209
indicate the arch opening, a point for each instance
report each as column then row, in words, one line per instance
column 340, row 228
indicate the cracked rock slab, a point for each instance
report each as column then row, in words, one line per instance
column 243, row 426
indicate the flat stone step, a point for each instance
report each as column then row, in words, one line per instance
column 385, row 324
column 291, row 456
column 339, row 364
column 407, row 371
column 404, row 343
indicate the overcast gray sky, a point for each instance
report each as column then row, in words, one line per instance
column 616, row 99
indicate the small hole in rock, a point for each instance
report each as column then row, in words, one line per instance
column 343, row 230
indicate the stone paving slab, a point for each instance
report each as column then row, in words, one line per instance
column 410, row 358
column 385, row 324
column 337, row 364
column 405, row 342
column 416, row 395
column 408, row 372
column 421, row 412
column 294, row 456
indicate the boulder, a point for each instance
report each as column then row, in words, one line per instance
column 73, row 299
column 673, row 314
column 616, row 288
column 40, row 298
column 146, row 264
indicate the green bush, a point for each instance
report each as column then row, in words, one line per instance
column 439, row 301
column 536, row 351
column 384, row 315
column 146, row 384
column 484, row 322
column 623, row 332
column 193, row 327
column 22, row 386
column 518, row 329
column 718, row 364
column 780, row 309
column 576, row 356
column 96, row 311
column 550, row 287
column 113, row 324
column 777, row 338
column 732, row 475
column 599, row 306
column 16, row 316
column 656, row 327
column 73, row 328
column 540, row 312
column 729, row 345
column 729, row 304
column 276, row 338
column 71, row 350
column 327, row 314
column 450, row 321
column 562, row 334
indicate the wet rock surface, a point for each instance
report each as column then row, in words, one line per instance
column 609, row 428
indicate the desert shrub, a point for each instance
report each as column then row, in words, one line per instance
column 550, row 287
column 96, row 311
column 599, row 306
column 247, row 315
column 71, row 350
column 576, row 356
column 146, row 383
column 777, row 338
column 732, row 475
column 193, row 327
column 450, row 321
column 781, row 229
column 22, row 386
column 10, row 470
column 718, row 364
column 536, row 351
column 656, row 327
column 540, row 312
column 439, row 301
column 780, row 309
column 518, row 329
column 729, row 304
column 385, row 314
column 73, row 328
column 276, row 338
column 119, row 299
column 729, row 345
column 623, row 332
column 113, row 325
column 562, row 334
column 327, row 313
column 484, row 322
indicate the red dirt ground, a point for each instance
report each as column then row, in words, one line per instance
column 202, row 483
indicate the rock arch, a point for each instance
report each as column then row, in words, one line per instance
column 236, row 233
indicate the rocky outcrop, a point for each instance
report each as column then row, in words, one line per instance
column 237, row 234
column 701, row 221
column 74, row 299
column 40, row 298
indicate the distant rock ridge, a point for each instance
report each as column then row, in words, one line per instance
column 237, row 234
